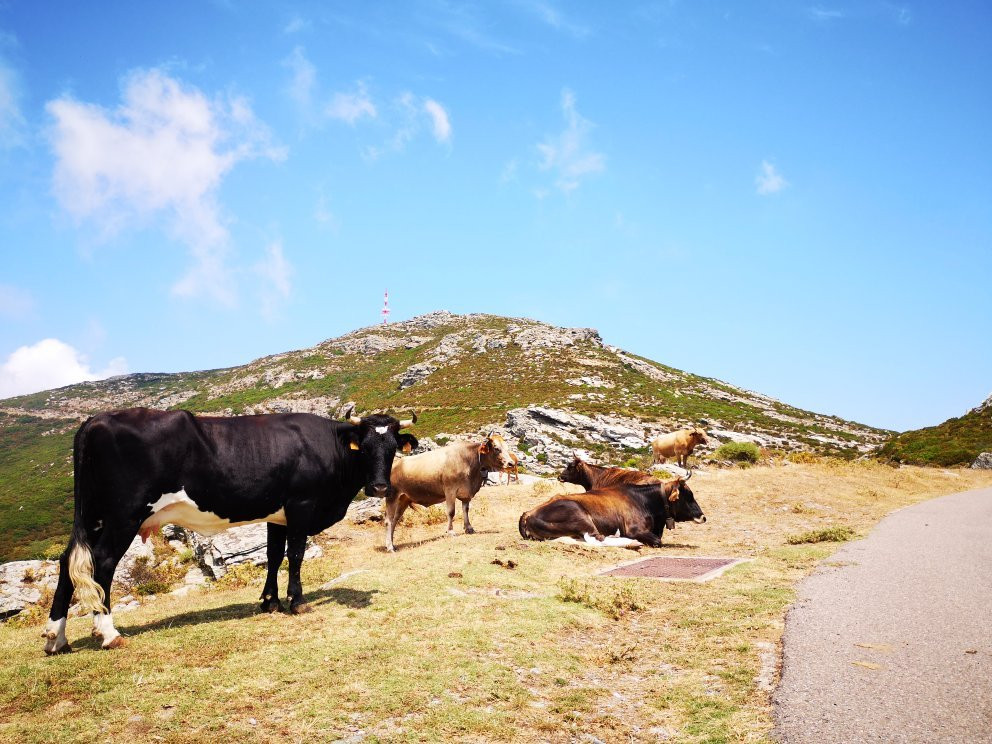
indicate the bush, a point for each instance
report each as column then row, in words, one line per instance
column 614, row 601
column 803, row 458
column 828, row 534
column 738, row 452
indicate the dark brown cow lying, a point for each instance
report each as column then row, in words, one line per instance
column 635, row 511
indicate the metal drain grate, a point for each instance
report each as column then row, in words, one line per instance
column 675, row 569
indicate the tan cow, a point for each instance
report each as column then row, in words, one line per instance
column 678, row 444
column 445, row 474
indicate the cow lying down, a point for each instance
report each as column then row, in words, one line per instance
column 635, row 511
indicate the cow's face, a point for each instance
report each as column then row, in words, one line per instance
column 574, row 473
column 682, row 504
column 698, row 436
column 375, row 440
column 495, row 452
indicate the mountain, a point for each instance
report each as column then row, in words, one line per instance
column 549, row 389
column 957, row 441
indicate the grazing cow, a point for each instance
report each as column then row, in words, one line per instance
column 679, row 444
column 636, row 511
column 445, row 474
column 512, row 473
column 138, row 469
column 589, row 476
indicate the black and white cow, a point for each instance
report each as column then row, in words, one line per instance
column 138, row 469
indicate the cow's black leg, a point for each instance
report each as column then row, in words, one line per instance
column 645, row 536
column 110, row 548
column 275, row 551
column 468, row 525
column 54, row 633
column 297, row 543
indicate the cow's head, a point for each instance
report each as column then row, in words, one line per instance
column 698, row 436
column 375, row 439
column 494, row 453
column 682, row 506
column 575, row 473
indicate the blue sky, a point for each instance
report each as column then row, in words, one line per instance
column 792, row 197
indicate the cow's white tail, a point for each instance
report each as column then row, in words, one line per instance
column 89, row 593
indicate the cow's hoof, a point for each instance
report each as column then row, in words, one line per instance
column 469, row 531
column 670, row 524
column 117, row 642
column 272, row 606
column 300, row 609
column 66, row 649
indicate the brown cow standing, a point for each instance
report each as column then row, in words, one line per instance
column 636, row 511
column 679, row 444
column 445, row 474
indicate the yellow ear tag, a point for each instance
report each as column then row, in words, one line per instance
column 354, row 445
column 407, row 448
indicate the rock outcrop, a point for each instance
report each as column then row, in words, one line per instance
column 983, row 462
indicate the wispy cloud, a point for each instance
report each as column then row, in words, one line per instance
column 162, row 152
column 769, row 180
column 295, row 25
column 15, row 303
column 352, row 106
column 275, row 273
column 568, row 154
column 823, row 15
column 462, row 22
column 439, row 120
column 304, row 78
column 12, row 124
column 50, row 363
column 553, row 17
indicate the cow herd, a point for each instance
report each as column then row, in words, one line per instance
column 138, row 469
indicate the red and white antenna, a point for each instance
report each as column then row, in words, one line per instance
column 385, row 308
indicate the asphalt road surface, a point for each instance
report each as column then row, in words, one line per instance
column 891, row 639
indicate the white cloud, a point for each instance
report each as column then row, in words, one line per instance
column 568, row 154
column 823, row 15
column 769, row 180
column 15, row 303
column 439, row 120
column 556, row 20
column 162, row 152
column 323, row 214
column 50, row 363
column 350, row 107
column 275, row 272
column 304, row 80
column 509, row 172
column 296, row 24
column 12, row 122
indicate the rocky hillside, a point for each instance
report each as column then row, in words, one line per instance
column 549, row 389
column 957, row 441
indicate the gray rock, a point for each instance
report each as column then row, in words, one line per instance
column 16, row 594
column 366, row 510
column 983, row 462
column 246, row 544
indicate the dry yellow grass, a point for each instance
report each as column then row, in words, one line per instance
column 439, row 642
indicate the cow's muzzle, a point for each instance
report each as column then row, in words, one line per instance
column 379, row 490
column 699, row 520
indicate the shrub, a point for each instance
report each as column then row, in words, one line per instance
column 240, row 576
column 614, row 601
column 738, row 452
column 803, row 458
column 828, row 534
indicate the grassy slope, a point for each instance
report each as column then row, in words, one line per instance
column 407, row 651
column 475, row 391
column 957, row 441
column 35, row 487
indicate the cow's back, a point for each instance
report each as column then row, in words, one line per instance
column 424, row 478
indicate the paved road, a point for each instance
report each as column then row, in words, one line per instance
column 893, row 642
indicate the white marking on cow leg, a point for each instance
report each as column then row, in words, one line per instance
column 103, row 626
column 54, row 635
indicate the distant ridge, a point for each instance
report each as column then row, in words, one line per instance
column 957, row 441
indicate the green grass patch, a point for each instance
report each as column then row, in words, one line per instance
column 839, row 533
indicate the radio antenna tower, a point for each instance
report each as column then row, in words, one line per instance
column 385, row 308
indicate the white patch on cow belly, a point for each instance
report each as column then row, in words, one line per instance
column 178, row 508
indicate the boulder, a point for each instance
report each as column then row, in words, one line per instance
column 16, row 594
column 983, row 462
column 246, row 544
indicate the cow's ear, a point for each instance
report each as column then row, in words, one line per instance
column 674, row 495
column 349, row 437
column 484, row 448
column 408, row 443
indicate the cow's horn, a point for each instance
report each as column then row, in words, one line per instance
column 409, row 422
column 352, row 419
column 688, row 475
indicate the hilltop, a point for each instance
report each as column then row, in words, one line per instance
column 957, row 441
column 549, row 389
